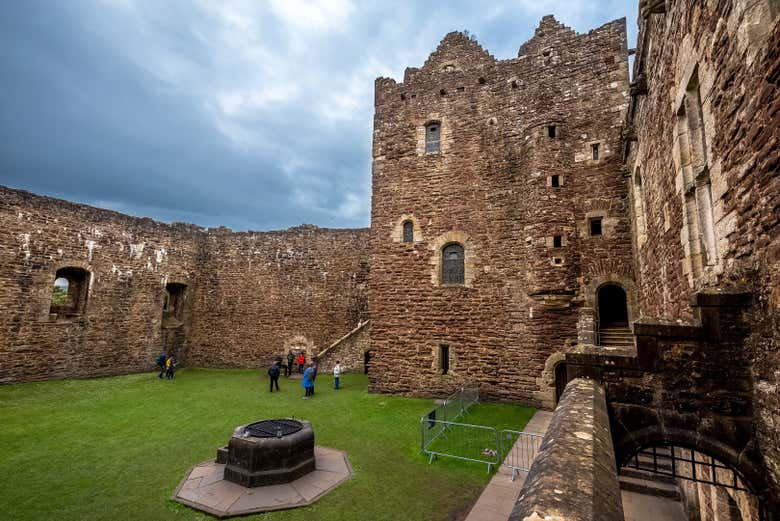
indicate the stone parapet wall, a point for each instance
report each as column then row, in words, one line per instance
column 248, row 296
column 573, row 477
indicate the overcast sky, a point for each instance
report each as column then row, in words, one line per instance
column 250, row 114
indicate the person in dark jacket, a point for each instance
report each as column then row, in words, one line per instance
column 161, row 363
column 170, row 367
column 290, row 362
column 273, row 373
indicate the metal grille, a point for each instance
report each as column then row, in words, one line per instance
column 273, row 428
column 452, row 270
column 684, row 463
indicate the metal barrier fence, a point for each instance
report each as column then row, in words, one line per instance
column 442, row 435
column 456, row 404
column 519, row 449
column 463, row 441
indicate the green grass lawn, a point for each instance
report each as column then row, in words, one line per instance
column 116, row 448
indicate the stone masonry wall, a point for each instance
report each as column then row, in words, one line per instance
column 733, row 49
column 490, row 189
column 248, row 296
column 130, row 261
column 350, row 350
column 266, row 293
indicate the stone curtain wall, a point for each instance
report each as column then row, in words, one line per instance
column 130, row 261
column 265, row 293
column 247, row 296
column 733, row 48
column 490, row 189
column 573, row 476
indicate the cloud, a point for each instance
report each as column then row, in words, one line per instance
column 254, row 115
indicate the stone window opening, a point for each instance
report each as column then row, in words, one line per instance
column 481, row 81
column 594, row 224
column 557, row 241
column 443, row 92
column 557, row 261
column 514, row 84
column 173, row 303
column 403, row 97
column 698, row 215
column 433, row 138
column 453, row 265
column 551, row 131
column 69, row 294
column 555, row 181
column 594, row 149
column 408, row 231
column 444, row 358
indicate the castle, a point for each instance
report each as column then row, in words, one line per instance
column 534, row 221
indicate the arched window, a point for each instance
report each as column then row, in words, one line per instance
column 452, row 264
column 69, row 294
column 432, row 138
column 408, row 234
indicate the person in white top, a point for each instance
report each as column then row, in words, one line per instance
column 337, row 370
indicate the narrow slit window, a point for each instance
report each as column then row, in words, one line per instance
column 444, row 358
column 557, row 241
column 551, row 131
column 595, row 227
column 408, row 231
column 432, row 138
column 595, row 151
column 555, row 181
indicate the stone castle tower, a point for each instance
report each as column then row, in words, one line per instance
column 499, row 212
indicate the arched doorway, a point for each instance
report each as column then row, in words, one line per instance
column 612, row 306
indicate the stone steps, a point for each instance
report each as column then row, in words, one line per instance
column 616, row 336
column 650, row 487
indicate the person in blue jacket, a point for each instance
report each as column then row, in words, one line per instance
column 308, row 382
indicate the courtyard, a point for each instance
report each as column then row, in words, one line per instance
column 116, row 448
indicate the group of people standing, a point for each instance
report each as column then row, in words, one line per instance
column 309, row 374
column 167, row 365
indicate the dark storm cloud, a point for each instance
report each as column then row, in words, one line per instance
column 253, row 115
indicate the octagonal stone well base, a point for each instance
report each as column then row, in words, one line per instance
column 204, row 487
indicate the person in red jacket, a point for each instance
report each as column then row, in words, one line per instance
column 301, row 360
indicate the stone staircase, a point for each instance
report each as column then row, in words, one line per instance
column 616, row 336
column 647, row 482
